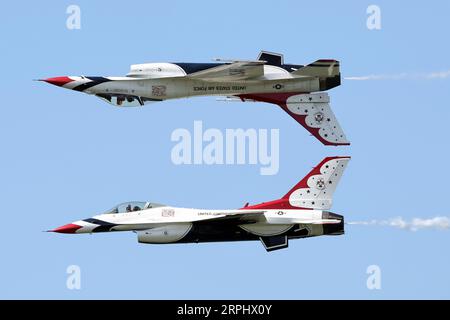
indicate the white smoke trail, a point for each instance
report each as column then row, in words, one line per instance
column 439, row 75
column 442, row 223
column 403, row 76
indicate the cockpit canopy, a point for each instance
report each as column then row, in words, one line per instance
column 133, row 206
column 155, row 70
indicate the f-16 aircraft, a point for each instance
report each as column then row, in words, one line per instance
column 297, row 89
column 300, row 213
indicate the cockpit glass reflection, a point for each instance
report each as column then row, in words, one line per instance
column 133, row 206
column 128, row 207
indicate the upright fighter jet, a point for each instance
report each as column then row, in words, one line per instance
column 300, row 213
column 297, row 89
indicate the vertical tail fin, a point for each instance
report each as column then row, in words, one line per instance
column 315, row 190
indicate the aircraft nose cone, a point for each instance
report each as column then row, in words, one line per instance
column 58, row 81
column 68, row 228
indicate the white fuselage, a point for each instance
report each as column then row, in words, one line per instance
column 169, row 224
column 154, row 217
column 162, row 81
column 173, row 88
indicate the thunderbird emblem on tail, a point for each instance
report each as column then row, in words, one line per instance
column 297, row 89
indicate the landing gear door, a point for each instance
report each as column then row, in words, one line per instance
column 121, row 100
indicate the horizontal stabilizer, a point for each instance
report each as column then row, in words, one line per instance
column 322, row 221
column 327, row 71
column 271, row 58
column 319, row 68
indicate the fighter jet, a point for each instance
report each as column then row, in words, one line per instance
column 300, row 213
column 297, row 89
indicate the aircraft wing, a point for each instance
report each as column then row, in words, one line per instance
column 237, row 217
column 238, row 70
column 258, row 216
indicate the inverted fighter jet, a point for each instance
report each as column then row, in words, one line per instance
column 297, row 89
column 301, row 213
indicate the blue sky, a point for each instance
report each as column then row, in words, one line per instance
column 67, row 156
